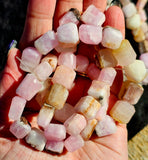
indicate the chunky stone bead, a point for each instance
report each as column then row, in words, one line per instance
column 135, row 71
column 55, row 132
column 46, row 42
column 143, row 15
column 75, row 124
column 61, row 49
column 36, row 139
column 20, row 128
column 90, row 34
column 89, row 129
column 124, row 2
column 87, row 106
column 57, row 96
column 105, row 127
column 30, row 59
column 144, row 58
column 122, row 111
column 111, row 38
column 72, row 143
column 138, row 34
column 82, row 63
column 45, row 115
column 141, row 4
column 29, row 87
column 93, row 16
column 16, row 108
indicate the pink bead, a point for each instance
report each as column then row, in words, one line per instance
column 73, row 143
column 75, row 124
column 64, row 76
column 46, row 42
column 107, row 75
column 20, row 129
column 55, row 132
column 106, row 127
column 144, row 58
column 68, row 59
column 29, row 87
column 54, row 146
column 93, row 71
column 82, row 63
column 141, row 4
column 16, row 108
column 111, row 38
column 63, row 114
column 30, row 59
column 90, row 34
column 60, row 48
column 145, row 81
column 93, row 16
column 143, row 15
column 43, row 71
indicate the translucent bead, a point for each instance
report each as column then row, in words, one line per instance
column 82, row 63
column 144, row 58
column 141, row 4
column 138, row 34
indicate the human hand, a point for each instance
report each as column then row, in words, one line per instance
column 39, row 20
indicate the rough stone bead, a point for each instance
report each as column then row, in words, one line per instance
column 68, row 35
column 29, row 87
column 87, row 106
column 93, row 16
column 57, row 96
column 36, row 139
column 129, row 10
column 105, row 127
column 64, row 76
column 75, row 124
column 122, row 111
column 68, row 59
column 82, row 63
column 111, row 38
column 52, row 60
column 135, row 71
column 133, row 22
column 20, row 128
column 45, row 115
column 138, row 34
column 89, row 129
column 144, row 58
column 63, row 114
column 16, row 108
column 46, row 42
column 56, row 147
column 30, row 59
column 87, row 34
column 55, row 132
column 72, row 143
column 125, row 54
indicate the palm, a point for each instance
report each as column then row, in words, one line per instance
column 109, row 147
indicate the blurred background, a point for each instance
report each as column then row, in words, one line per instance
column 12, row 19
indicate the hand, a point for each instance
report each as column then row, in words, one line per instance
column 42, row 16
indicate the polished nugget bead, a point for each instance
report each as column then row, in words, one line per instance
column 36, row 139
column 72, row 143
column 29, row 87
column 60, row 49
column 141, row 4
column 87, row 106
column 124, row 2
column 143, row 46
column 89, row 129
column 55, row 132
column 20, row 128
column 143, row 15
column 30, row 59
column 122, row 111
column 57, row 96
column 16, row 108
column 93, row 16
column 144, row 58
column 68, row 35
column 105, row 127
column 45, row 115
column 64, row 76
column 87, row 34
column 125, row 54
column 135, row 71
column 46, row 42
column 75, row 124
column 82, row 63
column 138, row 35
column 111, row 38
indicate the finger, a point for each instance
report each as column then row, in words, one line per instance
column 63, row 6
column 101, row 4
column 38, row 21
column 115, row 18
column 11, row 73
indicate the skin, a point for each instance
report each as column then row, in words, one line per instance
column 40, row 18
